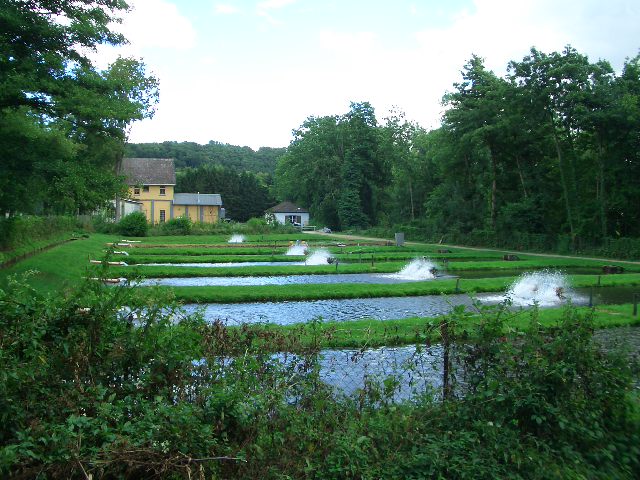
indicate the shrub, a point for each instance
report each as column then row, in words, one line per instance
column 258, row 225
column 24, row 230
column 133, row 225
column 102, row 224
column 177, row 226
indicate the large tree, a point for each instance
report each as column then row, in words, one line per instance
column 63, row 121
column 335, row 168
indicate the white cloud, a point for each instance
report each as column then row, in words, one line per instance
column 347, row 42
column 151, row 24
column 225, row 9
column 239, row 104
column 158, row 23
column 274, row 4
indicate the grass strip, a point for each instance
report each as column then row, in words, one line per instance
column 410, row 331
column 165, row 271
column 159, row 271
column 279, row 293
column 136, row 258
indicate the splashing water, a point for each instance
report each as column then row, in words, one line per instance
column 319, row 257
column 297, row 250
column 417, row 269
column 545, row 288
column 236, row 238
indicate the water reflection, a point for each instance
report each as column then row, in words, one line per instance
column 413, row 371
column 339, row 310
column 283, row 280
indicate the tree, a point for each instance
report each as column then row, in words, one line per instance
column 64, row 122
column 334, row 167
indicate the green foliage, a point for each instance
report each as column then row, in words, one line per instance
column 89, row 388
column 196, row 156
column 62, row 121
column 134, row 224
column 23, row 230
column 544, row 158
column 245, row 194
column 335, row 167
column 104, row 224
column 177, row 226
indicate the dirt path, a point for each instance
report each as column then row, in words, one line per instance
column 478, row 249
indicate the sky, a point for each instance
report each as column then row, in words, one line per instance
column 248, row 72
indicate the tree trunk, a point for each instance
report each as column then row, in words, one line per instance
column 494, row 188
column 520, row 174
column 565, row 188
column 601, row 190
column 413, row 217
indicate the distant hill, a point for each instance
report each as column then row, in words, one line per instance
column 191, row 154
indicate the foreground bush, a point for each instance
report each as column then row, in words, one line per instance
column 133, row 225
column 90, row 388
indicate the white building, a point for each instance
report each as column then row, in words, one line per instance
column 287, row 212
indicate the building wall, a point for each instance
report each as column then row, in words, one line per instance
column 197, row 213
column 282, row 217
column 153, row 202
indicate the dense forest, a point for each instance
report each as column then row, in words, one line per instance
column 551, row 148
column 191, row 154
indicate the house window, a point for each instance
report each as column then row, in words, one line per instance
column 145, row 189
column 162, row 216
column 162, row 190
column 136, row 191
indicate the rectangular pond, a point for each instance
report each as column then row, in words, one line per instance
column 386, row 308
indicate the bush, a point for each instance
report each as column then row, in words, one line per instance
column 24, row 230
column 103, row 224
column 177, row 226
column 134, row 225
column 153, row 392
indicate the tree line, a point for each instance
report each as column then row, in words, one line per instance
column 552, row 147
column 194, row 155
column 244, row 194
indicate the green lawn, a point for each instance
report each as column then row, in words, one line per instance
column 63, row 266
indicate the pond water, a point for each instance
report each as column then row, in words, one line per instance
column 340, row 310
column 222, row 264
column 419, row 370
column 285, row 280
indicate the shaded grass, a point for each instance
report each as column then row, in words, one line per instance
column 62, row 267
column 33, row 247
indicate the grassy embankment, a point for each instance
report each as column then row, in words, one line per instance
column 276, row 293
column 65, row 266
column 163, row 271
column 61, row 267
column 410, row 331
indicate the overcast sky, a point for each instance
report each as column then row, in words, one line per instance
column 247, row 72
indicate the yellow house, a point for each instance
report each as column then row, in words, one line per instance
column 152, row 191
